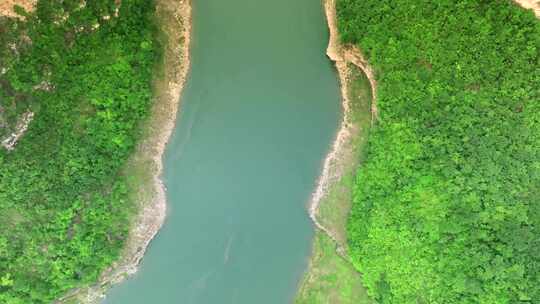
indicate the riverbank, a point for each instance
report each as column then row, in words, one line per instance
column 330, row 277
column 144, row 168
column 337, row 161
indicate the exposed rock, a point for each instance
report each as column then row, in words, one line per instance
column 11, row 140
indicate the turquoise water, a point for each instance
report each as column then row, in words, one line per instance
column 258, row 114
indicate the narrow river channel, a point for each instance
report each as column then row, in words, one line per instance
column 258, row 114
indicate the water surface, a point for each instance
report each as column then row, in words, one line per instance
column 258, row 114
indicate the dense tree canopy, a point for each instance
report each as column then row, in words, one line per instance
column 447, row 205
column 64, row 210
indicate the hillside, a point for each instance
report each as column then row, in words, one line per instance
column 83, row 71
column 446, row 203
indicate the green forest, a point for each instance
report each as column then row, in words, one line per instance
column 447, row 204
column 64, row 209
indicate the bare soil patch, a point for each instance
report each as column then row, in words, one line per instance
column 7, row 6
column 530, row 4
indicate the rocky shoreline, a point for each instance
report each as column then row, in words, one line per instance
column 330, row 277
column 334, row 166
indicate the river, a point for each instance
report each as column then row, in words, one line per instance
column 258, row 114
